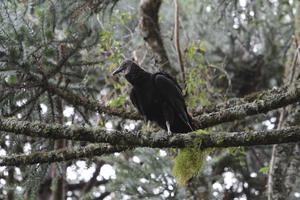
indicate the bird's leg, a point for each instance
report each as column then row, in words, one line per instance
column 145, row 119
column 148, row 125
column 168, row 128
column 169, row 117
column 147, row 122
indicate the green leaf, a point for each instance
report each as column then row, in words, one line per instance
column 264, row 169
column 118, row 102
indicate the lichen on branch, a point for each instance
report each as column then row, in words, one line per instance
column 59, row 155
column 145, row 139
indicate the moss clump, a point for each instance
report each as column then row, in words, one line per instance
column 201, row 132
column 189, row 161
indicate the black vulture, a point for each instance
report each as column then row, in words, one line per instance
column 158, row 98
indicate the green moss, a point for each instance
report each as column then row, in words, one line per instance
column 235, row 151
column 219, row 138
column 118, row 102
column 189, row 162
column 201, row 132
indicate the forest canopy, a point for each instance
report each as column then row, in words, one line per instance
column 69, row 131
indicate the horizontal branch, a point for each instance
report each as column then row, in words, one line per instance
column 59, row 155
column 261, row 102
column 155, row 140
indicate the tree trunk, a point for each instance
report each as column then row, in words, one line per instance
column 284, row 163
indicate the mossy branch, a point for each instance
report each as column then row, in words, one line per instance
column 261, row 102
column 155, row 140
column 60, row 155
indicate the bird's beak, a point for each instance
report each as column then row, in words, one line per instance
column 119, row 69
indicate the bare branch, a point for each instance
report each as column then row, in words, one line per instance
column 81, row 184
column 91, row 183
column 25, row 105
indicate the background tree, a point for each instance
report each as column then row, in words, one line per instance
column 55, row 63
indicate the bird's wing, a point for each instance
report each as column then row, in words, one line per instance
column 135, row 101
column 171, row 92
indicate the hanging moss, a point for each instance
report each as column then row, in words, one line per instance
column 189, row 162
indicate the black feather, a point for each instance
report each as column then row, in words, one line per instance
column 158, row 97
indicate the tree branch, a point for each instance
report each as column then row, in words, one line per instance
column 266, row 101
column 59, row 155
column 80, row 185
column 90, row 104
column 154, row 140
column 251, row 105
column 91, row 183
column 25, row 105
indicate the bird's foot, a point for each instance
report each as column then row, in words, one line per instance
column 148, row 127
column 145, row 119
column 168, row 128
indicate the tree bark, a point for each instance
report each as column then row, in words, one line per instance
column 150, row 31
column 59, row 173
column 60, row 155
column 125, row 140
column 284, row 164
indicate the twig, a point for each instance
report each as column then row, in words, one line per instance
column 25, row 105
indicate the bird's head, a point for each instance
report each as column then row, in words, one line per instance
column 132, row 71
column 127, row 67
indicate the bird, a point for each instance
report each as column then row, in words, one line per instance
column 157, row 97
